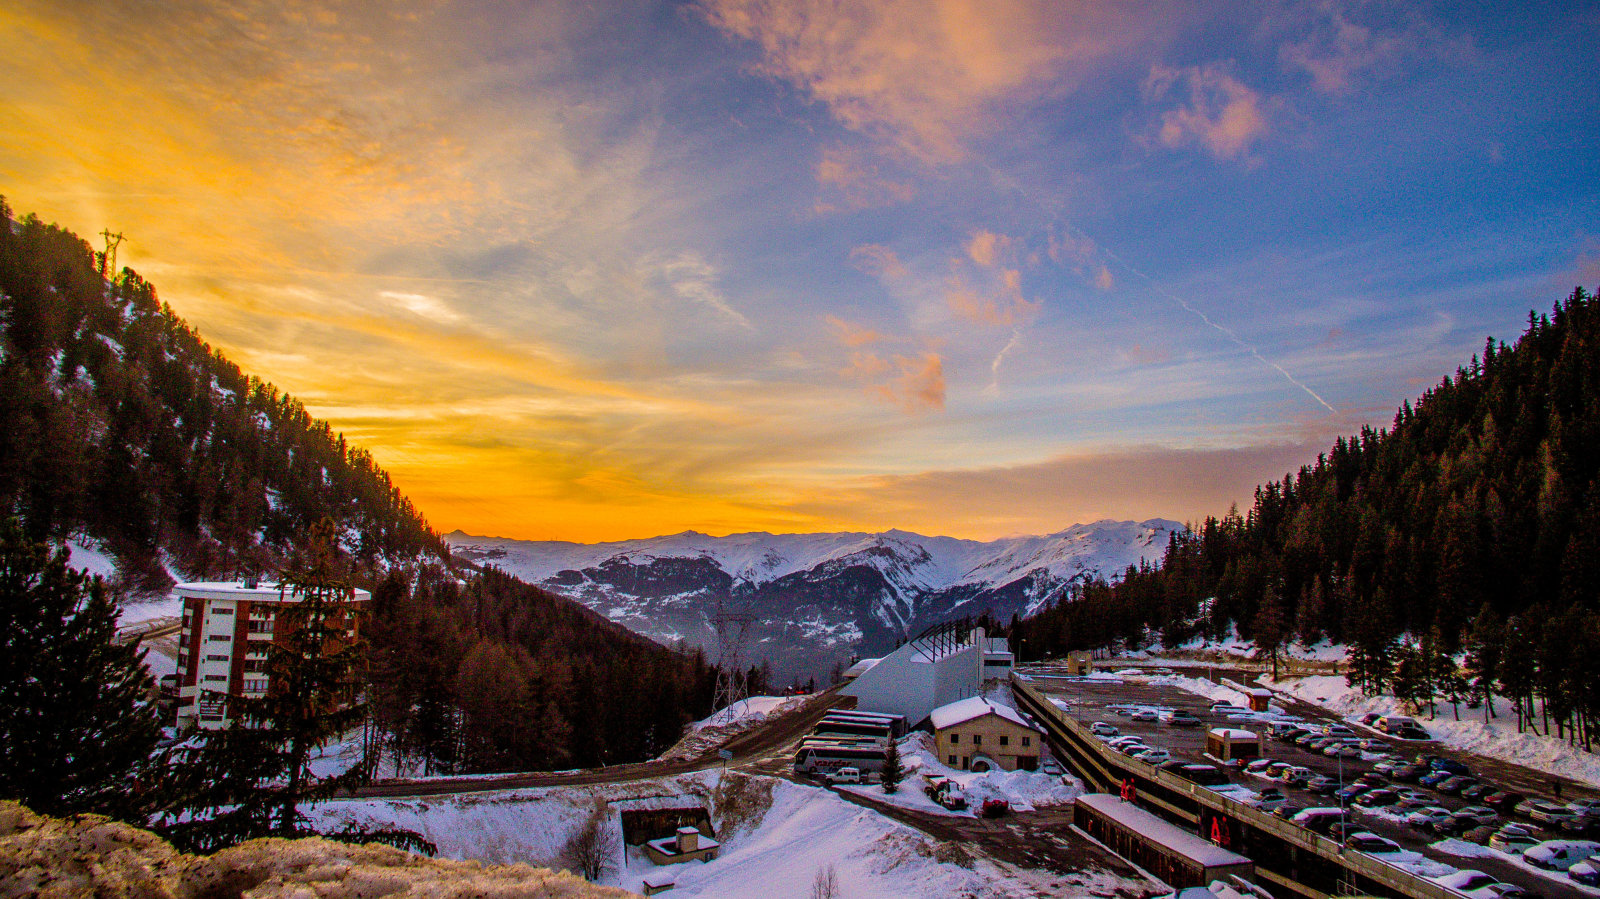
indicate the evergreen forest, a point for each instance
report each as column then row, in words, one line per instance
column 1472, row 524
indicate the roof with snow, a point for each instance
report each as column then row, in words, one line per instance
column 861, row 667
column 264, row 590
column 975, row 707
column 1232, row 734
column 1157, row 830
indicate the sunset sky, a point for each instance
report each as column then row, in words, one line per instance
column 598, row 270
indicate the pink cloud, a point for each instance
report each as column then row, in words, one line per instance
column 1218, row 112
column 878, row 261
column 857, row 183
column 926, row 77
column 851, row 334
column 919, row 387
column 985, row 246
column 1339, row 52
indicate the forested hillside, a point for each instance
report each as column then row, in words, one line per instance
column 1481, row 503
column 124, row 426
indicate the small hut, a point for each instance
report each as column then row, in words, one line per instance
column 1225, row 744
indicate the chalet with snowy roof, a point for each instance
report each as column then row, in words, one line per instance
column 976, row 734
column 1231, row 745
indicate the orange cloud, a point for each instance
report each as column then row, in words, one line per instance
column 925, row 77
column 920, row 384
column 859, row 183
column 851, row 334
column 1220, row 113
column 985, row 246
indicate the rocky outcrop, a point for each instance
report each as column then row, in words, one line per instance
column 95, row 856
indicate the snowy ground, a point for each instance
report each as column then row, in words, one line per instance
column 1022, row 790
column 1497, row 738
column 727, row 723
column 776, row 837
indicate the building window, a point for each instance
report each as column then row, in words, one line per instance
column 222, row 611
column 221, row 677
column 220, row 638
column 954, row 739
column 1004, row 740
column 1027, row 741
column 952, row 761
column 977, row 739
column 216, row 658
column 261, row 627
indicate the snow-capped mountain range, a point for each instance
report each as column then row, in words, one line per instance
column 818, row 598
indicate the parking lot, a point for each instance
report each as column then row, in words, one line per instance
column 1112, row 702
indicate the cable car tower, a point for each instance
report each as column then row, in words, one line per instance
column 733, row 629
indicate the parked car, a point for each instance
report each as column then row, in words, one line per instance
column 1204, row 775
column 1277, row 770
column 1350, row 791
column 1143, row 715
column 1454, row 785
column 1559, row 855
column 1320, row 743
column 1051, row 766
column 1268, row 800
column 1337, row 730
column 1440, row 763
column 1585, row 806
column 1372, row 779
column 1545, row 812
column 1585, row 872
column 1409, row 773
column 1478, row 814
column 1513, row 839
column 1102, row 729
column 1584, row 824
column 1120, row 742
column 1297, row 776
column 1259, row 767
column 1287, row 811
column 1479, row 835
column 1378, row 798
column 1154, row 756
column 1478, row 791
column 995, row 808
column 1322, row 785
column 1467, row 882
column 1370, row 843
column 1344, row 830
column 1411, row 800
column 1318, row 820
column 845, row 775
column 1343, row 749
column 1371, row 718
column 1370, row 744
column 1509, row 891
column 1180, row 718
column 1504, row 801
column 953, row 799
column 1436, row 778
column 1388, row 765
column 1428, row 818
column 1306, row 738
column 1411, row 732
column 1287, row 734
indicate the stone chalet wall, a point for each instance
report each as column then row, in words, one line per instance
column 95, row 856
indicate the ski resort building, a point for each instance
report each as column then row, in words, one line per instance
column 222, row 646
column 975, row 734
column 944, row 663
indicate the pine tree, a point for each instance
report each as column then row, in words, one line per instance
column 1268, row 629
column 892, row 772
column 1484, row 642
column 77, row 724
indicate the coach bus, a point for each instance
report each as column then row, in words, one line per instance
column 825, row 756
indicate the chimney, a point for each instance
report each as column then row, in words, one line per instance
column 688, row 840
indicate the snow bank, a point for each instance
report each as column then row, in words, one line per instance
column 1024, row 791
column 776, row 835
column 750, row 711
column 1496, row 738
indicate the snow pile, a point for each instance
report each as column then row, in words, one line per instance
column 1024, row 791
column 1203, row 687
column 1496, row 738
column 707, row 734
column 91, row 855
column 750, row 711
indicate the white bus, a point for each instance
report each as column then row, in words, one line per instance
column 824, row 757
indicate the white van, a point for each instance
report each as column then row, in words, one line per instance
column 1559, row 855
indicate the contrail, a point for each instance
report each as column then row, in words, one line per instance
column 994, row 367
column 1224, row 331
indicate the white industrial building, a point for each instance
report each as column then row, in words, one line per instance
column 222, row 646
column 945, row 663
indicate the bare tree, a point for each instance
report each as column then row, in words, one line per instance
column 591, row 851
column 826, row 884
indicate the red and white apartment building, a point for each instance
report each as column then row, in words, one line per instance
column 222, row 647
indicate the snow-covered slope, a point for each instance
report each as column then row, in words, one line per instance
column 819, row 597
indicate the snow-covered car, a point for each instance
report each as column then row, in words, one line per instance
column 1322, row 785
column 1154, row 756
column 1477, row 815
column 1545, row 812
column 1371, row 843
column 1228, row 708
column 1318, row 819
column 1513, row 839
column 1412, row 799
column 1258, row 767
column 1468, row 882
column 1585, row 872
column 1585, row 806
column 845, row 775
column 1051, row 766
column 1102, row 729
column 1507, row 891
column 953, row 799
column 1428, row 818
column 1559, row 855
